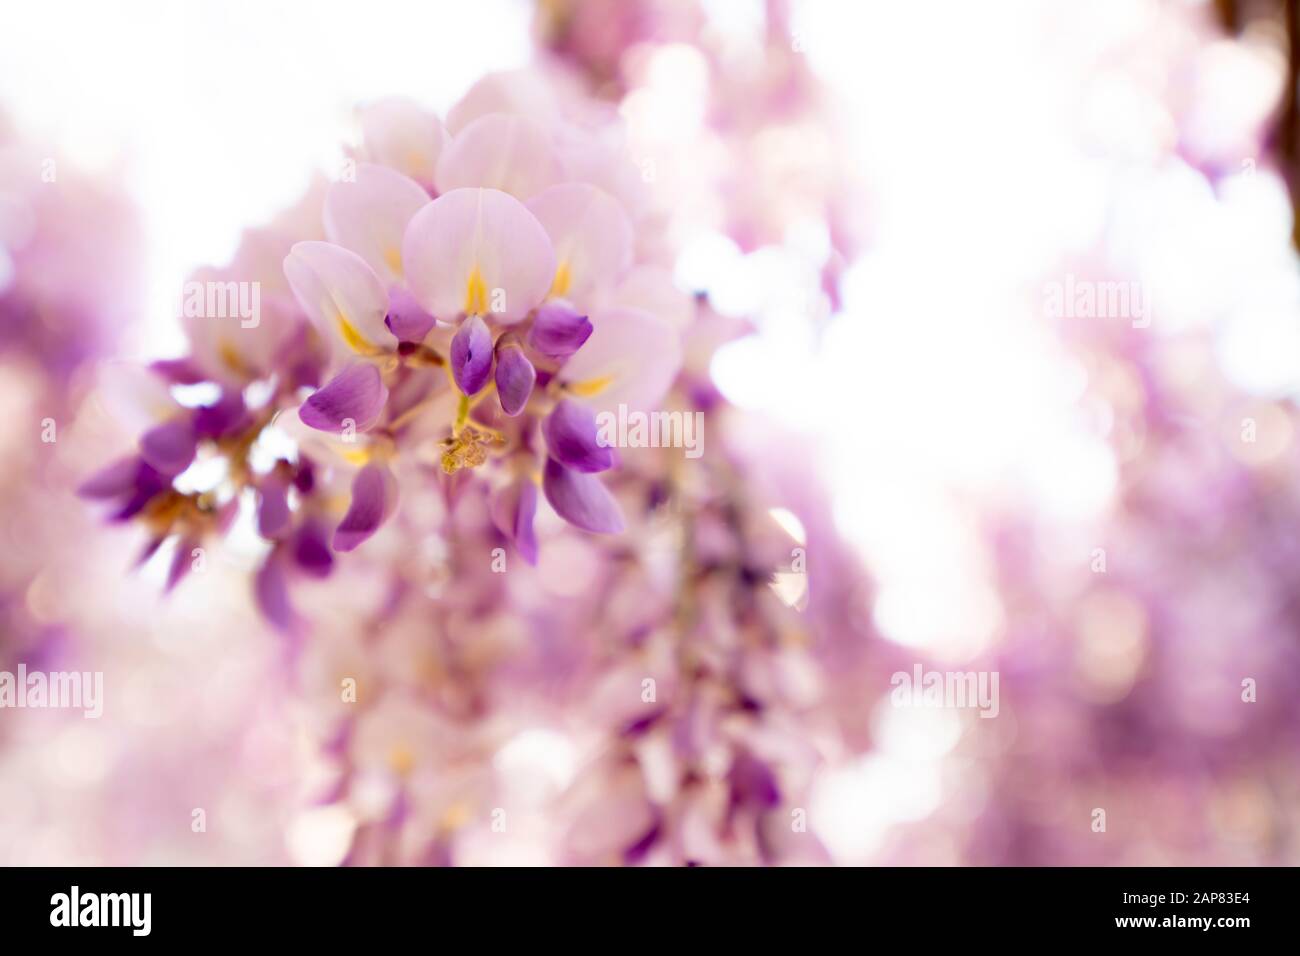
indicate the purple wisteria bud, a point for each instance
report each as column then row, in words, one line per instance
column 515, row 375
column 471, row 355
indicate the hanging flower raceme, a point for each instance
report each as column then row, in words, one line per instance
column 465, row 311
column 445, row 333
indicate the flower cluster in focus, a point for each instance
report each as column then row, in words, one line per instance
column 474, row 300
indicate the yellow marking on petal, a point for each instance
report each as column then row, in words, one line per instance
column 401, row 759
column 231, row 357
column 563, row 279
column 355, row 456
column 354, row 339
column 592, row 386
column 476, row 294
column 393, row 257
column 456, row 816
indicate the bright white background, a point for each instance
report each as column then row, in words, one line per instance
column 215, row 114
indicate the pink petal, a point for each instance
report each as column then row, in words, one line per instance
column 399, row 134
column 631, row 358
column 340, row 293
column 581, row 499
column 478, row 250
column 591, row 234
column 374, row 497
column 369, row 215
column 357, row 394
column 651, row 288
column 500, row 151
column 595, row 156
column 134, row 395
column 236, row 328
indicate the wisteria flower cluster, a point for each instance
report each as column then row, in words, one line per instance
column 471, row 307
column 408, row 372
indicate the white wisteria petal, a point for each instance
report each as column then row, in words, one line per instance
column 133, row 394
column 500, row 151
column 631, row 359
column 369, row 216
column 400, row 134
column 651, row 288
column 340, row 293
column 478, row 251
column 591, row 233
column 602, row 158
column 235, row 334
column 510, row 91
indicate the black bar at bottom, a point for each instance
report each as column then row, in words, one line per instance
column 334, row 906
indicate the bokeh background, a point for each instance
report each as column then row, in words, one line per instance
column 883, row 197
